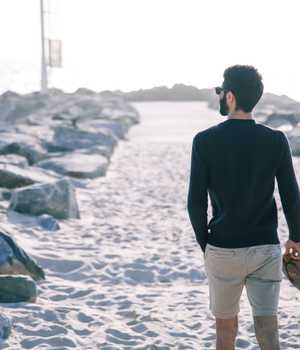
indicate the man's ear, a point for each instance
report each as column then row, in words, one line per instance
column 230, row 97
column 231, row 101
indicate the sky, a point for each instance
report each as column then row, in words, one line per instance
column 133, row 44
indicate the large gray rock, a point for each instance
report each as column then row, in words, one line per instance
column 276, row 120
column 5, row 194
column 294, row 141
column 15, row 261
column 14, row 107
column 70, row 139
column 57, row 198
column 12, row 176
column 118, row 128
column 122, row 113
column 24, row 145
column 14, row 159
column 15, row 289
column 48, row 222
column 85, row 91
column 86, row 166
column 5, row 327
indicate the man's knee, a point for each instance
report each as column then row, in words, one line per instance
column 265, row 323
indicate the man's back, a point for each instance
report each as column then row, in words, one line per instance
column 237, row 161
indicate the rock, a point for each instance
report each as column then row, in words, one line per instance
column 57, row 198
column 70, row 139
column 79, row 165
column 14, row 107
column 5, row 194
column 5, row 327
column 278, row 119
column 14, row 159
column 48, row 222
column 102, row 150
column 119, row 129
column 123, row 113
column 294, row 141
column 84, row 91
column 88, row 107
column 10, row 94
column 15, row 261
column 41, row 133
column 57, row 116
column 14, row 289
column 12, row 176
column 55, row 91
column 24, row 145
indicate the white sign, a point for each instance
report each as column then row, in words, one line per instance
column 55, row 53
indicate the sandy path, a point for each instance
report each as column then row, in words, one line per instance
column 130, row 275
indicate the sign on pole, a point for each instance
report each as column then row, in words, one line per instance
column 55, row 53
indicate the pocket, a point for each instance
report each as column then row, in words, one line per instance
column 272, row 250
column 276, row 251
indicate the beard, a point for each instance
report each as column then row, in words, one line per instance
column 223, row 106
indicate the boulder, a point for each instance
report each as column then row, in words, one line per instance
column 70, row 139
column 276, row 120
column 102, row 150
column 118, row 128
column 14, row 159
column 128, row 116
column 15, row 261
column 12, row 176
column 14, row 107
column 79, row 165
column 294, row 141
column 15, row 289
column 24, row 145
column 85, row 91
column 57, row 198
column 5, row 327
column 48, row 222
column 5, row 194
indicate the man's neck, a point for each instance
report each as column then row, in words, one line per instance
column 239, row 115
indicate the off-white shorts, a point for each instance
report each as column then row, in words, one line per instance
column 259, row 268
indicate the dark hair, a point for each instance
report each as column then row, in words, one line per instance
column 246, row 84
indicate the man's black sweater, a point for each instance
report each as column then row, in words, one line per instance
column 236, row 162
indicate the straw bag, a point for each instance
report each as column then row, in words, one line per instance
column 291, row 269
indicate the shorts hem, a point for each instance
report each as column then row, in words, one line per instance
column 224, row 316
column 265, row 313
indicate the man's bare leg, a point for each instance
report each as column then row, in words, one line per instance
column 226, row 332
column 266, row 332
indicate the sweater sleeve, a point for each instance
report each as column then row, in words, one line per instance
column 288, row 189
column 197, row 193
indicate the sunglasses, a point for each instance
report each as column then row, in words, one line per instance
column 219, row 89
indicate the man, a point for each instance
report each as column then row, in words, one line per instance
column 236, row 163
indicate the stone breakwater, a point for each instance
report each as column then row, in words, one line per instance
column 50, row 145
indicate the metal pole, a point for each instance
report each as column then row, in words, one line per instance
column 44, row 78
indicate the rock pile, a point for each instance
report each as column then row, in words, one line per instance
column 49, row 140
column 49, row 144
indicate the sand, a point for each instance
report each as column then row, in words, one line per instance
column 130, row 275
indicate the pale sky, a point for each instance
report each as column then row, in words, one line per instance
column 133, row 44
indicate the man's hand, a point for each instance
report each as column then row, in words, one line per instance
column 292, row 249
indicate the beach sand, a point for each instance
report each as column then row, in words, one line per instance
column 130, row 275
